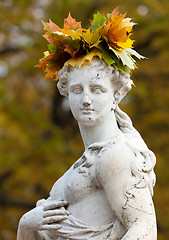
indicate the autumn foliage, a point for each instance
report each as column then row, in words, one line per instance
column 108, row 38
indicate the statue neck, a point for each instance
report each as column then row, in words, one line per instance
column 103, row 131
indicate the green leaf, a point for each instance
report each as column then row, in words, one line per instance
column 118, row 65
column 125, row 58
column 52, row 48
column 107, row 56
column 73, row 43
column 66, row 39
column 104, row 38
column 98, row 21
column 108, row 16
column 111, row 59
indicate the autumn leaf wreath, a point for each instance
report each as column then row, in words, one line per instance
column 107, row 38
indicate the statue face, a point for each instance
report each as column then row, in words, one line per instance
column 90, row 97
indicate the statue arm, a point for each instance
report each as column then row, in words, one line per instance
column 133, row 207
column 138, row 216
column 45, row 216
column 139, row 224
column 24, row 234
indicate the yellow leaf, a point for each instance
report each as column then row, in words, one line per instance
column 93, row 39
column 132, row 83
column 46, row 53
column 84, row 60
column 70, row 33
column 69, row 49
column 127, row 44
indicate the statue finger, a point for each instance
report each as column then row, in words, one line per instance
column 54, row 204
column 54, row 219
column 40, row 202
column 50, row 227
column 55, row 212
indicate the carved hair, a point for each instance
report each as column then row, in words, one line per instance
column 120, row 80
column 142, row 166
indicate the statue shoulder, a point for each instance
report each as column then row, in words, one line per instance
column 115, row 156
column 58, row 187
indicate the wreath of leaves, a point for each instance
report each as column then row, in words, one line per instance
column 108, row 38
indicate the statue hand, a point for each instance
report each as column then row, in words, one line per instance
column 46, row 214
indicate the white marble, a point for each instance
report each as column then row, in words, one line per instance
column 107, row 193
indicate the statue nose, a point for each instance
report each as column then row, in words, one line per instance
column 86, row 100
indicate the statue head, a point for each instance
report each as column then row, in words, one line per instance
column 96, row 70
column 93, row 90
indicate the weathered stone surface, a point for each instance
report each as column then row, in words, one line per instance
column 107, row 193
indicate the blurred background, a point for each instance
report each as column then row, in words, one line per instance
column 39, row 139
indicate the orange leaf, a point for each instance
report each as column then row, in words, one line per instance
column 116, row 11
column 41, row 64
column 46, row 36
column 53, row 27
column 50, row 75
column 117, row 30
column 70, row 23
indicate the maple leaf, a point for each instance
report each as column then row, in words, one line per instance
column 52, row 48
column 84, row 60
column 118, row 65
column 127, row 23
column 71, row 33
column 51, row 75
column 46, row 53
column 81, row 51
column 52, row 27
column 42, row 64
column 108, row 38
column 47, row 37
column 107, row 55
column 93, row 39
column 115, row 12
column 69, row 49
column 67, row 38
column 97, row 22
column 55, row 63
column 53, row 39
column 134, row 53
column 70, row 23
column 51, row 63
column 127, row 44
column 117, row 29
column 126, row 59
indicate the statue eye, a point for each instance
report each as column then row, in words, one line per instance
column 96, row 90
column 77, row 90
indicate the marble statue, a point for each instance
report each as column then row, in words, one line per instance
column 107, row 193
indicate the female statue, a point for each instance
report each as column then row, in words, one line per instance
column 107, row 193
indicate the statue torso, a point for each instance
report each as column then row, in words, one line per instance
column 81, row 188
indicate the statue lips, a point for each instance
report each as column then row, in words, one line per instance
column 87, row 111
